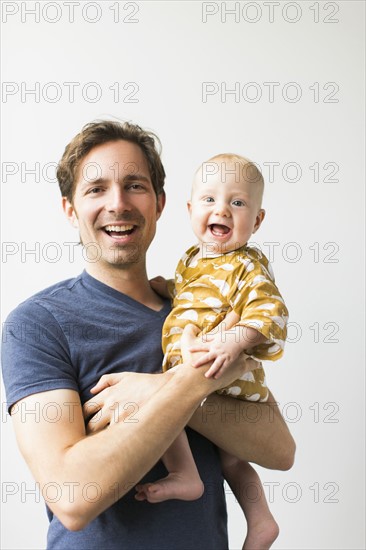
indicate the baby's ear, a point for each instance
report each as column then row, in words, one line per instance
column 189, row 206
column 258, row 220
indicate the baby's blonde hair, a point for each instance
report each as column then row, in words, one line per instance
column 247, row 169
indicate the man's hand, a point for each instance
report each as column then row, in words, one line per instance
column 161, row 286
column 118, row 397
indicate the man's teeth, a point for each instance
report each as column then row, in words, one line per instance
column 119, row 228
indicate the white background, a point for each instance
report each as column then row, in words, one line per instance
column 168, row 53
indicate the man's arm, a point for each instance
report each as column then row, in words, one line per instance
column 252, row 431
column 90, row 472
column 255, row 432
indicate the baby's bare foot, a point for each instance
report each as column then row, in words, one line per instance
column 173, row 486
column 261, row 535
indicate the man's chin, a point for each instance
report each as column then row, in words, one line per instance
column 125, row 256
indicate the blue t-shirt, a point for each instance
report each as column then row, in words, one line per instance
column 67, row 337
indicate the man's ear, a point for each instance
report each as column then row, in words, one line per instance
column 258, row 220
column 70, row 212
column 160, row 203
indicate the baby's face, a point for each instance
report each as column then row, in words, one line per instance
column 225, row 210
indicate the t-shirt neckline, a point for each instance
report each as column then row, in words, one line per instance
column 91, row 281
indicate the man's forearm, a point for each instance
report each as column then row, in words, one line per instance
column 255, row 432
column 124, row 452
column 114, row 459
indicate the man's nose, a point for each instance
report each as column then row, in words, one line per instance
column 118, row 200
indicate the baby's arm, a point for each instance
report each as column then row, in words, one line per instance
column 225, row 343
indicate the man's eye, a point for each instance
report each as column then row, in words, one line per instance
column 94, row 190
column 136, row 187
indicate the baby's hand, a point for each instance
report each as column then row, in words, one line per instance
column 160, row 285
column 221, row 348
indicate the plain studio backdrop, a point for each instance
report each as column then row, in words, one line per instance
column 279, row 82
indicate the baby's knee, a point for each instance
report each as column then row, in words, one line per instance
column 287, row 456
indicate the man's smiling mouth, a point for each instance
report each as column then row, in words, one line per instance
column 119, row 230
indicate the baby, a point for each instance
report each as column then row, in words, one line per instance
column 226, row 288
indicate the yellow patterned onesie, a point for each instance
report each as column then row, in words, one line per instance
column 206, row 289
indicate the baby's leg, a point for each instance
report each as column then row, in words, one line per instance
column 183, row 481
column 262, row 530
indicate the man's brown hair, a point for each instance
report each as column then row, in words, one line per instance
column 104, row 131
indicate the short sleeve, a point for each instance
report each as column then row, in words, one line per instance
column 35, row 354
column 259, row 304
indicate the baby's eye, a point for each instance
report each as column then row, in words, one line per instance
column 238, row 203
column 209, row 199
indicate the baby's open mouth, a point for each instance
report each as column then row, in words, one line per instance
column 218, row 230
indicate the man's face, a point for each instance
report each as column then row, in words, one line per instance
column 115, row 206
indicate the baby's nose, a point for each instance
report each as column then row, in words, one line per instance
column 222, row 209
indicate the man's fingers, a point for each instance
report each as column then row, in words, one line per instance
column 188, row 339
column 91, row 407
column 106, row 381
column 96, row 423
column 191, row 329
column 98, row 387
column 157, row 279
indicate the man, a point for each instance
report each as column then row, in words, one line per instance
column 108, row 320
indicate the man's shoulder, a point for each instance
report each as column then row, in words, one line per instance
column 62, row 286
column 43, row 300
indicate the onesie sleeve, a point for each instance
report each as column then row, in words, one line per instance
column 35, row 354
column 259, row 304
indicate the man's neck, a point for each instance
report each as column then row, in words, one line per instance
column 131, row 280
